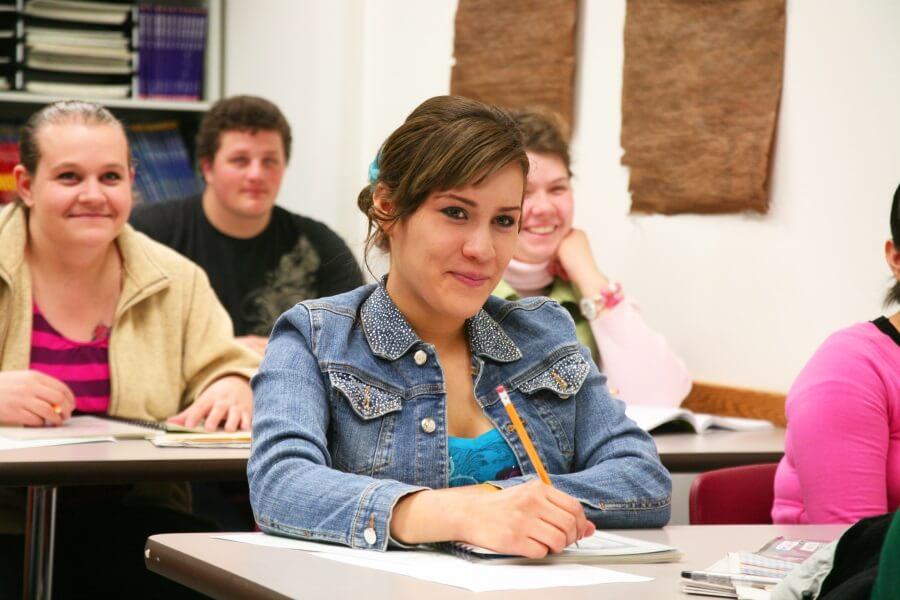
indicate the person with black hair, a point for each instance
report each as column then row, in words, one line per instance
column 842, row 451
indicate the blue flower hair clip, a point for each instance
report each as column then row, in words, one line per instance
column 374, row 170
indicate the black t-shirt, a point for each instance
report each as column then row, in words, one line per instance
column 295, row 258
column 887, row 328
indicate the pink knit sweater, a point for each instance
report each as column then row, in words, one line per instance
column 842, row 452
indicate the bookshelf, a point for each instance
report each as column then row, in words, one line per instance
column 19, row 20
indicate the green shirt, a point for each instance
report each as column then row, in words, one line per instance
column 889, row 564
column 568, row 297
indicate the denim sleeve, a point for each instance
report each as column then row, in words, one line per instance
column 294, row 490
column 616, row 472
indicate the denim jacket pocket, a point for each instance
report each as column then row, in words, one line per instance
column 368, row 401
column 367, row 415
column 564, row 377
column 551, row 396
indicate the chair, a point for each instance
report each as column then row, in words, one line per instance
column 733, row 496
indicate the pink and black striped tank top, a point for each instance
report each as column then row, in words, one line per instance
column 83, row 366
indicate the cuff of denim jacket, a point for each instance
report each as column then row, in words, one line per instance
column 513, row 481
column 372, row 527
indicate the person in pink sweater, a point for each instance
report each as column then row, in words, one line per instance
column 842, row 453
column 554, row 259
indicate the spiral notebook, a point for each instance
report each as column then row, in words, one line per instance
column 600, row 548
column 95, row 426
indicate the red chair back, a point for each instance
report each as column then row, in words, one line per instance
column 734, row 496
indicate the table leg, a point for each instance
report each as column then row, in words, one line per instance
column 40, row 523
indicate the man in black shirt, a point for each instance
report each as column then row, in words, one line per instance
column 260, row 258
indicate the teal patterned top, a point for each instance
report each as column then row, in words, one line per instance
column 485, row 458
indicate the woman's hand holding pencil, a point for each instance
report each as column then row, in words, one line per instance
column 34, row 399
column 532, row 519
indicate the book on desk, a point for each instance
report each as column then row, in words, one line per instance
column 659, row 419
column 106, row 426
column 600, row 548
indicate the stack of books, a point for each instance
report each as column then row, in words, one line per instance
column 163, row 169
column 78, row 48
column 9, row 158
column 750, row 574
column 171, row 51
column 8, row 35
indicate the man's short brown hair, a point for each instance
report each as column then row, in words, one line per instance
column 240, row 113
column 545, row 133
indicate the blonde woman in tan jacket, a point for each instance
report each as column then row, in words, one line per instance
column 97, row 317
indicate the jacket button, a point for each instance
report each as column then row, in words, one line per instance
column 428, row 425
column 420, row 357
column 370, row 536
column 510, row 428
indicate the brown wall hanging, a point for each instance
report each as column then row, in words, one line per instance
column 700, row 92
column 516, row 53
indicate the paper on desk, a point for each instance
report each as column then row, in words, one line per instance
column 447, row 569
column 13, row 444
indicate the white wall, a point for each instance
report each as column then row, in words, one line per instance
column 744, row 299
column 305, row 55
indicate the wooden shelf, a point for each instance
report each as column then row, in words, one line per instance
column 122, row 103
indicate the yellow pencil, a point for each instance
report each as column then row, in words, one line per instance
column 523, row 434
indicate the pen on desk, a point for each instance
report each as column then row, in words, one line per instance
column 728, row 578
column 524, row 437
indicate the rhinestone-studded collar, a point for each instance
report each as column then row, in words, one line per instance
column 390, row 335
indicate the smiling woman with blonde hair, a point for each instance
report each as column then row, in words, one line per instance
column 376, row 418
column 97, row 318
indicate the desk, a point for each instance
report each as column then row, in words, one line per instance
column 139, row 460
column 225, row 569
column 123, row 461
column 43, row 469
column 715, row 449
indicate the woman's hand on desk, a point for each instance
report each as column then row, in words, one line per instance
column 531, row 519
column 34, row 399
column 228, row 399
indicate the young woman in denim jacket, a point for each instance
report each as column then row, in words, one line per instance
column 376, row 418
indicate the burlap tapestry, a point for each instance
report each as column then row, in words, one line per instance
column 516, row 53
column 700, row 93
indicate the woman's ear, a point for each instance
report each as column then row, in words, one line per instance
column 384, row 206
column 23, row 184
column 892, row 255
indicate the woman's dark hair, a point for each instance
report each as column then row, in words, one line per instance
column 240, row 113
column 544, row 133
column 64, row 111
column 446, row 142
column 893, row 295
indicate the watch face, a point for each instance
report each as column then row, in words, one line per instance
column 588, row 308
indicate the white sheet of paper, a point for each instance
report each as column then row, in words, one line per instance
column 447, row 569
column 12, row 444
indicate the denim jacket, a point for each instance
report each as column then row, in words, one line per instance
column 350, row 416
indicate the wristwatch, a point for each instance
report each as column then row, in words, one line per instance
column 608, row 299
column 590, row 307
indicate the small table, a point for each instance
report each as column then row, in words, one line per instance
column 224, row 569
column 42, row 470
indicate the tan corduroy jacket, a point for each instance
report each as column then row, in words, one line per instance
column 170, row 338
